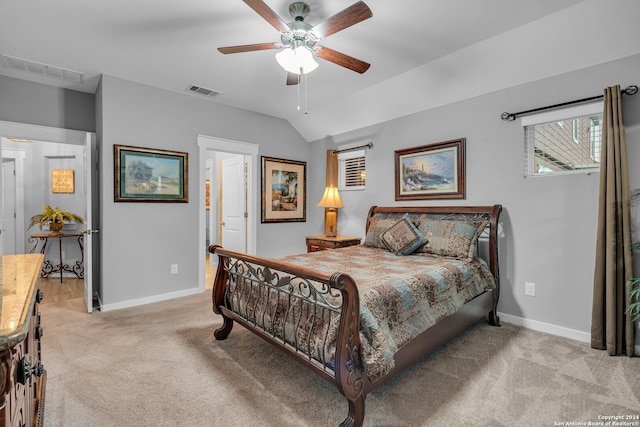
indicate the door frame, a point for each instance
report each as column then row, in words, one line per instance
column 250, row 151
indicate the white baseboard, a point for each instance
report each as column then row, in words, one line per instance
column 546, row 327
column 553, row 329
column 149, row 300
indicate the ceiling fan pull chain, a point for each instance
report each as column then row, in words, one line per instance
column 306, row 97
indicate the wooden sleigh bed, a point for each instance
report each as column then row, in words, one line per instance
column 324, row 316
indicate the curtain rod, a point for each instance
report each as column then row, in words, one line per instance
column 630, row 90
column 369, row 145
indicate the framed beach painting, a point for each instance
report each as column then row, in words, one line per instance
column 150, row 175
column 434, row 171
column 284, row 190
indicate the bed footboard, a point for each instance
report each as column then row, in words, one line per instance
column 312, row 316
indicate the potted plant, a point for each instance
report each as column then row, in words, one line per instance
column 634, row 296
column 54, row 218
column 634, row 308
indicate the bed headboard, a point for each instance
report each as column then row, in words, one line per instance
column 460, row 213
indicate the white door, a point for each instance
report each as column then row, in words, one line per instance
column 234, row 204
column 90, row 171
column 12, row 197
column 8, row 206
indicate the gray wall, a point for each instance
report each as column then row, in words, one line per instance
column 141, row 240
column 548, row 223
column 34, row 103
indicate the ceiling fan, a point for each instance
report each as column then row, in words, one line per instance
column 299, row 39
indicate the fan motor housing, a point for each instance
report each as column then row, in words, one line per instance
column 300, row 34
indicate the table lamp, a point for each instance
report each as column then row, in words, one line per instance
column 331, row 201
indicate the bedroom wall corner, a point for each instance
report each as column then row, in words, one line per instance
column 548, row 223
column 140, row 241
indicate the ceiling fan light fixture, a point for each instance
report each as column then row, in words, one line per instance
column 298, row 61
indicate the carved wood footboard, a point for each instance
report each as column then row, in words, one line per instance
column 266, row 296
column 314, row 316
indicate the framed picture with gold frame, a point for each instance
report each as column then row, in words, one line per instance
column 284, row 190
column 150, row 175
column 434, row 171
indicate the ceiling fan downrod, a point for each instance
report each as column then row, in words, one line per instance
column 299, row 10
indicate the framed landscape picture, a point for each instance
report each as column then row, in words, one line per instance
column 150, row 175
column 284, row 190
column 434, row 171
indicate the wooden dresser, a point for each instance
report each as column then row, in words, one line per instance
column 22, row 376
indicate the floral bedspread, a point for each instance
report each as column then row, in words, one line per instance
column 400, row 296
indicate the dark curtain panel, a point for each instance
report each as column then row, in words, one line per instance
column 610, row 327
column 332, row 169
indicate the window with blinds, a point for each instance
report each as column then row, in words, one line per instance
column 563, row 141
column 351, row 170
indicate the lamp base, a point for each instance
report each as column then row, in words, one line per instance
column 331, row 223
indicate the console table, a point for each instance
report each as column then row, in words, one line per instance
column 48, row 267
column 22, row 376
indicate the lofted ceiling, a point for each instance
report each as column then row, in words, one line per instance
column 423, row 53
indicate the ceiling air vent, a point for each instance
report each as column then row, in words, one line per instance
column 42, row 69
column 202, row 91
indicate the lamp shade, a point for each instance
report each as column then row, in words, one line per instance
column 331, row 198
column 295, row 61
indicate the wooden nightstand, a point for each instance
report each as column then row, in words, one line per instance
column 322, row 242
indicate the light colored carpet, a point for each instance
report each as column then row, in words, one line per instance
column 159, row 365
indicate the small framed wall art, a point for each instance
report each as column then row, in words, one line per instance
column 62, row 181
column 284, row 190
column 434, row 171
column 150, row 175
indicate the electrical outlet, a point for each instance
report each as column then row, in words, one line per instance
column 530, row 289
column 174, row 268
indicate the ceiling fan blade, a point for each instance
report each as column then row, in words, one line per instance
column 292, row 79
column 268, row 14
column 343, row 60
column 355, row 13
column 249, row 47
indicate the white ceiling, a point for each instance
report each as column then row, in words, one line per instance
column 423, row 53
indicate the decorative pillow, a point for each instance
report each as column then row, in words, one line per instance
column 403, row 237
column 450, row 238
column 377, row 226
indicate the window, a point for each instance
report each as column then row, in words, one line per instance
column 351, row 170
column 563, row 141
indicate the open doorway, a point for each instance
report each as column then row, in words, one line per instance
column 227, row 217
column 229, row 168
column 33, row 152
